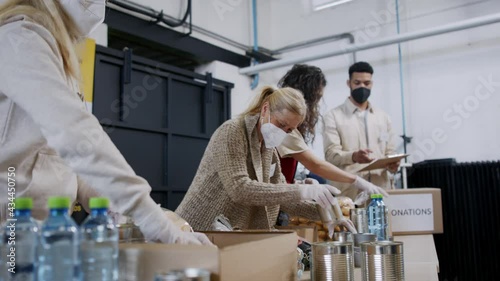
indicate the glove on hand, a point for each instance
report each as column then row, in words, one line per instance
column 368, row 187
column 158, row 227
column 321, row 193
column 306, row 181
column 342, row 222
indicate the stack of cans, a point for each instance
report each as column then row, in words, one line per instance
column 332, row 261
column 382, row 261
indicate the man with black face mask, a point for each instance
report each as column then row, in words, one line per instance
column 355, row 133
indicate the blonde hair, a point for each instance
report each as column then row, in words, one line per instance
column 279, row 99
column 51, row 15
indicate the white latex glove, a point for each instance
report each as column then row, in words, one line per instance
column 321, row 193
column 343, row 222
column 158, row 227
column 368, row 187
column 348, row 224
column 306, row 181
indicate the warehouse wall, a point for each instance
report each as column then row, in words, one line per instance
column 241, row 95
column 228, row 18
column 451, row 82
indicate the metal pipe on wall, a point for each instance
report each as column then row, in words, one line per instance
column 314, row 42
column 405, row 163
column 144, row 10
column 255, row 78
column 466, row 24
column 133, row 6
column 158, row 16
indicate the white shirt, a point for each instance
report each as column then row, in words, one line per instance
column 347, row 129
column 293, row 143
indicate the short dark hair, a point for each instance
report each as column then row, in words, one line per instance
column 311, row 81
column 360, row 67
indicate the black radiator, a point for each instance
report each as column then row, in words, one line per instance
column 469, row 248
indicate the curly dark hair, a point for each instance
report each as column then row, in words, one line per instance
column 311, row 81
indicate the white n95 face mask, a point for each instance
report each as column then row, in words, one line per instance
column 273, row 136
column 87, row 14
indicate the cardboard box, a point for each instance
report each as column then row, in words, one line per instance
column 308, row 232
column 415, row 211
column 239, row 256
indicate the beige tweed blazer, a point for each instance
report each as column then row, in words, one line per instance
column 238, row 179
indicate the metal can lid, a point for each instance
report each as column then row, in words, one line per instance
column 186, row 274
column 382, row 247
column 335, row 247
column 169, row 276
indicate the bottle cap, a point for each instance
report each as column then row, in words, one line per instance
column 98, row 203
column 59, row 202
column 376, row 195
column 23, row 203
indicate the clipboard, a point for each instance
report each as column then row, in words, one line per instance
column 383, row 162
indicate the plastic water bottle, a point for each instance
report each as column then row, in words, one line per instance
column 99, row 243
column 377, row 217
column 23, row 243
column 59, row 240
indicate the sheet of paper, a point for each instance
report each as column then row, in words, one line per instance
column 383, row 162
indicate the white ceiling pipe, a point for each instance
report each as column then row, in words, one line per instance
column 475, row 22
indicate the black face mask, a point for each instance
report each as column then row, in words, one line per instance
column 360, row 95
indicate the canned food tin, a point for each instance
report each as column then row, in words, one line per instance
column 188, row 274
column 332, row 261
column 382, row 261
column 360, row 219
column 169, row 276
